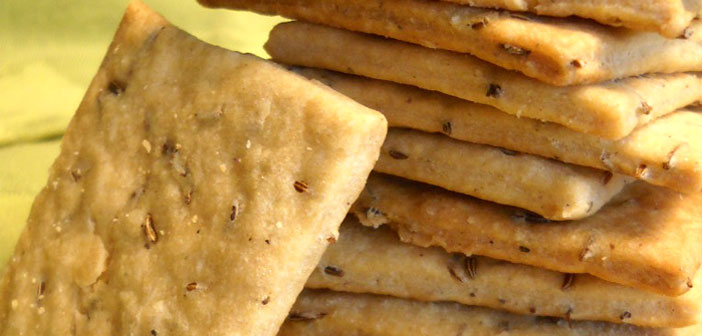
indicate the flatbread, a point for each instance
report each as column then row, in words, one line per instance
column 553, row 50
column 336, row 313
column 646, row 237
column 667, row 17
column 665, row 152
column 194, row 194
column 552, row 189
column 365, row 260
column 610, row 110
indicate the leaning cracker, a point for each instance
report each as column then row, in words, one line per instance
column 646, row 237
column 337, row 313
column 365, row 260
column 611, row 110
column 665, row 152
column 194, row 193
column 553, row 50
column 667, row 17
column 552, row 189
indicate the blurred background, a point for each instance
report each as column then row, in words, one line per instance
column 49, row 52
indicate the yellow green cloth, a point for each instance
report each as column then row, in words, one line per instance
column 49, row 51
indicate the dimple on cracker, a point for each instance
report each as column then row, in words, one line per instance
column 552, row 189
column 338, row 313
column 669, row 18
column 646, row 237
column 553, row 50
column 610, row 110
column 665, row 152
column 195, row 191
column 366, row 260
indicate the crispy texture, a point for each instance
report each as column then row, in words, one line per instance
column 646, row 237
column 610, row 110
column 172, row 207
column 375, row 261
column 552, row 189
column 665, row 152
column 667, row 17
column 556, row 51
column 336, row 313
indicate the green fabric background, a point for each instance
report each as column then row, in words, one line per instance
column 49, row 51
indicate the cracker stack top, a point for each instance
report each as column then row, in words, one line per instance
column 568, row 90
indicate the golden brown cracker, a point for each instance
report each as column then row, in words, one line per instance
column 646, row 237
column 667, row 17
column 665, row 152
column 365, row 260
column 195, row 191
column 553, row 50
column 610, row 110
column 555, row 190
column 337, row 313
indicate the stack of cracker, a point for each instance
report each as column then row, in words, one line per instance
column 546, row 165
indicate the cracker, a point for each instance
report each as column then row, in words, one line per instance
column 665, row 152
column 553, row 50
column 646, row 237
column 552, row 189
column 337, row 313
column 194, row 194
column 611, row 110
column 375, row 261
column 667, row 17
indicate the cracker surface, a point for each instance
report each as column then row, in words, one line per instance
column 552, row 189
column 611, row 109
column 195, row 191
column 553, row 50
column 646, row 237
column 667, row 17
column 336, row 313
column 665, row 152
column 366, row 260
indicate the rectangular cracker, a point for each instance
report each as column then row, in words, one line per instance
column 553, row 50
column 338, row 313
column 646, row 237
column 194, row 194
column 610, row 110
column 665, row 152
column 667, row 17
column 365, row 260
column 552, row 189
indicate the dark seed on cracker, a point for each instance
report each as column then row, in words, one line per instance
column 300, row 186
column 645, row 108
column 524, row 249
column 266, row 300
column 515, row 50
column 189, row 197
column 398, row 155
column 508, row 152
column 472, row 266
column 191, row 286
column 116, row 87
column 447, row 127
column 494, row 91
column 568, row 281
column 625, row 315
column 305, row 316
column 150, row 230
column 335, row 271
column 577, row 64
